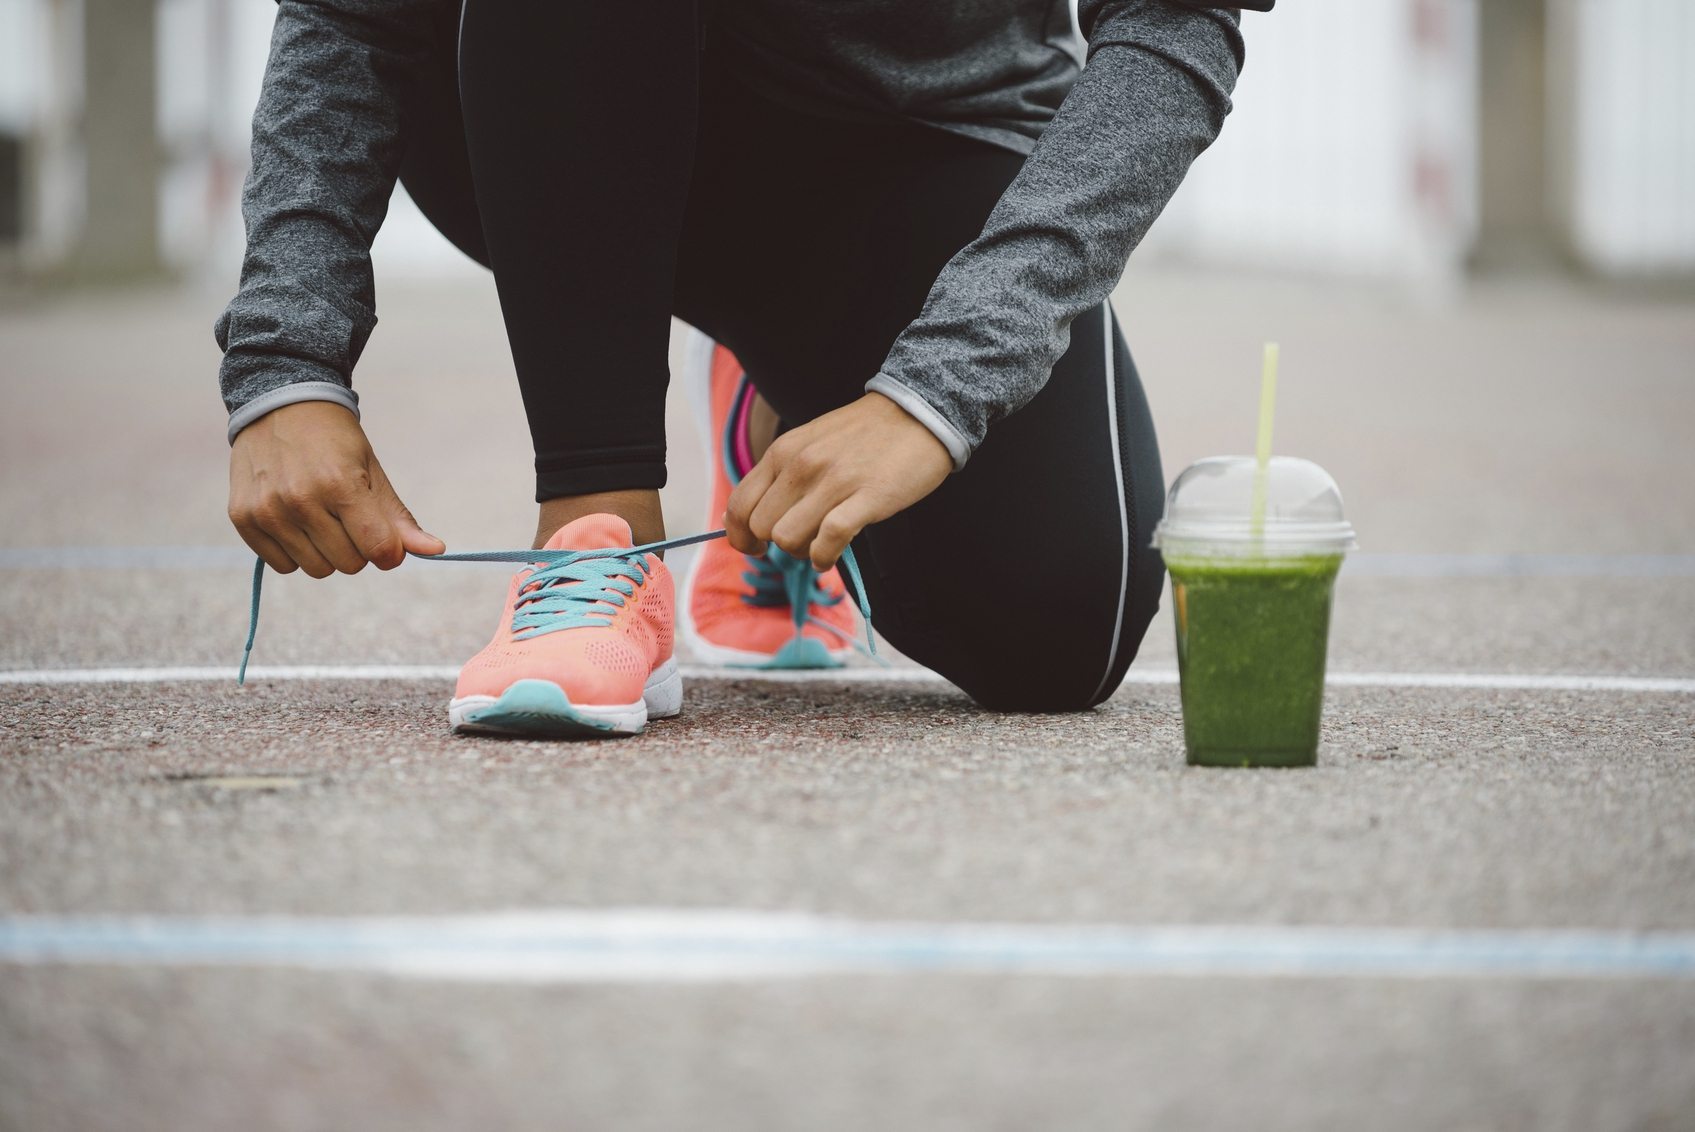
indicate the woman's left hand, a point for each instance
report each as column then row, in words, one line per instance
column 822, row 483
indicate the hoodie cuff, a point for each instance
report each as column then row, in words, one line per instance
column 291, row 395
column 925, row 413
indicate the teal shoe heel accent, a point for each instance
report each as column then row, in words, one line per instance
column 803, row 652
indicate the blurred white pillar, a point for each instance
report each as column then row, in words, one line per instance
column 119, row 237
column 1351, row 149
column 1625, row 155
column 53, row 176
column 1515, row 222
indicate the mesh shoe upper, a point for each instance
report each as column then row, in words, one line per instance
column 598, row 631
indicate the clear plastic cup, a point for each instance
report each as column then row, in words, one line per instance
column 1252, row 606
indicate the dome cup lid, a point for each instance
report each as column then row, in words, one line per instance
column 1210, row 508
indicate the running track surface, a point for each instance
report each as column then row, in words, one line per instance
column 858, row 901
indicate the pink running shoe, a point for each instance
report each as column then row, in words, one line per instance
column 584, row 649
column 741, row 611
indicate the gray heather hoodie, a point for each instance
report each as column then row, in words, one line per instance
column 1110, row 122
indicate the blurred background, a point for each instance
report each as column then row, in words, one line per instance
column 1469, row 220
column 1406, row 140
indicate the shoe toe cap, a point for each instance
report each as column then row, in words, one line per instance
column 590, row 667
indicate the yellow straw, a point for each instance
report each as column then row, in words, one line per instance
column 1267, row 410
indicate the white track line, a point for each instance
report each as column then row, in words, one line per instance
column 1484, row 681
column 1367, row 565
column 213, row 674
column 660, row 945
column 1512, row 682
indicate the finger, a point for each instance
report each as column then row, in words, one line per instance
column 324, row 528
column 781, row 497
column 266, row 547
column 797, row 528
column 838, row 528
column 743, row 500
column 288, row 534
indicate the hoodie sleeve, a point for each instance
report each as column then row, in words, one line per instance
column 1152, row 95
column 326, row 153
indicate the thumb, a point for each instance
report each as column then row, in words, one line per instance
column 414, row 538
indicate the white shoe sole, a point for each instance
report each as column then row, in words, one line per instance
column 541, row 709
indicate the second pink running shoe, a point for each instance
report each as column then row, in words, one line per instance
column 741, row 611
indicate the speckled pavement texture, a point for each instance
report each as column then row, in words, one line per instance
column 1530, row 418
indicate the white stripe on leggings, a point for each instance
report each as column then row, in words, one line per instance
column 1117, row 482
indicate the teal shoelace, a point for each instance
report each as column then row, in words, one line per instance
column 572, row 589
column 779, row 578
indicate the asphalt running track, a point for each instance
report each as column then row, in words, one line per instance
column 858, row 901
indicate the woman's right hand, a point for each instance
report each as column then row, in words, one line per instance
column 306, row 492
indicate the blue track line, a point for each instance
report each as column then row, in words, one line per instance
column 658, row 944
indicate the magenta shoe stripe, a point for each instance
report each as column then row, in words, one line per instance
column 743, row 412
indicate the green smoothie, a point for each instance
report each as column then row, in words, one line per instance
column 1251, row 635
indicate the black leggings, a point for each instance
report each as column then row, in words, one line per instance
column 613, row 176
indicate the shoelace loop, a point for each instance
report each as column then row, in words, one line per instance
column 554, row 605
column 779, row 578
